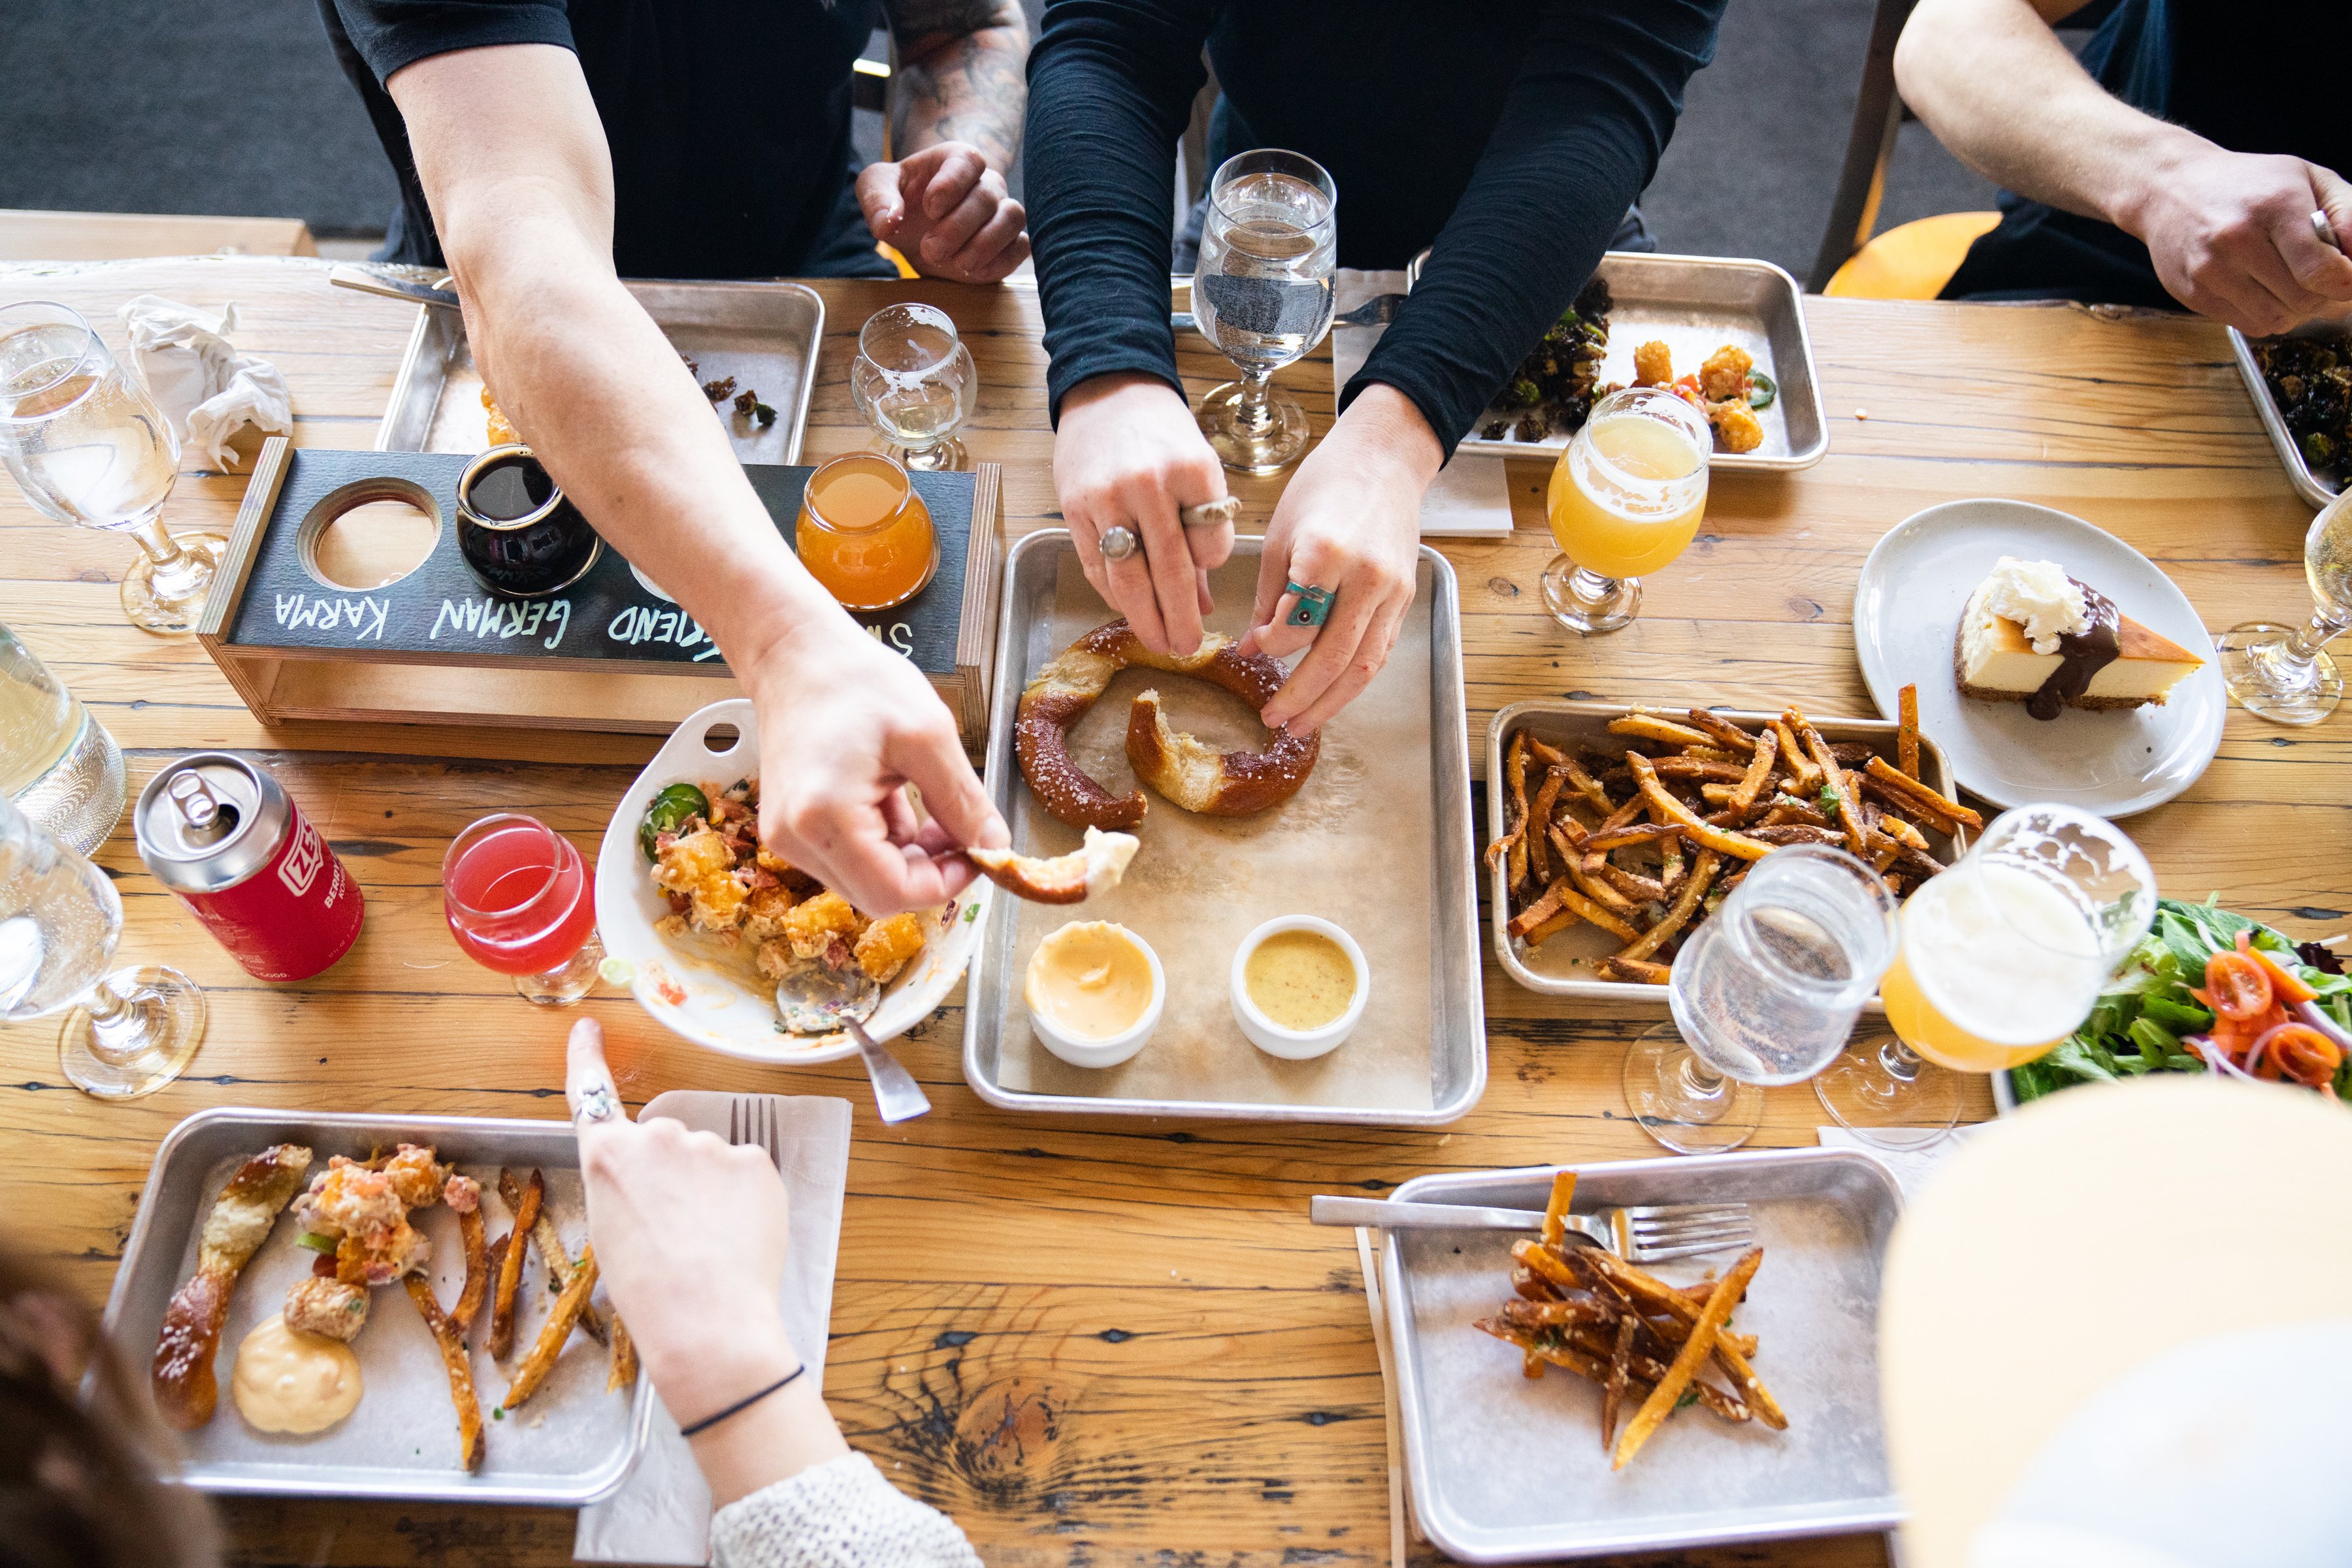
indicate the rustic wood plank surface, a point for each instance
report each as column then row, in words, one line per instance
column 1101, row 1341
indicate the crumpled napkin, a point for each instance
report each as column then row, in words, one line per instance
column 205, row 387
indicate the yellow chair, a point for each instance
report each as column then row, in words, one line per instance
column 1912, row 260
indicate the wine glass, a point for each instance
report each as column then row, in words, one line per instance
column 915, row 382
column 88, row 446
column 2282, row 672
column 1625, row 499
column 1764, row 992
column 2001, row 957
column 129, row 1032
column 1262, row 293
column 520, row 901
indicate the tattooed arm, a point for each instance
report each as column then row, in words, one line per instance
column 955, row 123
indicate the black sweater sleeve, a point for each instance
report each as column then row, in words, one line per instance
column 1111, row 84
column 1580, row 137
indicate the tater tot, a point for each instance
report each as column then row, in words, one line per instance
column 1653, row 364
column 886, row 946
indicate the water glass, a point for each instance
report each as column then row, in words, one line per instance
column 520, row 901
column 915, row 382
column 89, row 447
column 1262, row 293
column 129, row 1032
column 1764, row 992
column 2284, row 673
column 56, row 763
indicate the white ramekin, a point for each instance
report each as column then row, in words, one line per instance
column 1272, row 1038
column 1081, row 1052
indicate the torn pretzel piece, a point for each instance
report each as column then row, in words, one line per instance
column 1093, row 867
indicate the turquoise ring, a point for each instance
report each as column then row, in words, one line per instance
column 1314, row 605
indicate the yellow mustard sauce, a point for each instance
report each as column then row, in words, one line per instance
column 1089, row 980
column 288, row 1381
column 1300, row 979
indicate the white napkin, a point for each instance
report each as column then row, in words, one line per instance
column 206, row 388
column 662, row 1513
column 1471, row 497
column 1912, row 1167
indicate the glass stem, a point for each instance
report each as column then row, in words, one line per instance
column 1902, row 1064
column 162, row 550
column 1592, row 587
column 121, row 1026
column 1700, row 1080
column 1254, row 412
column 2302, row 647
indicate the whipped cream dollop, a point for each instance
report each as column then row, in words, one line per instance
column 2040, row 597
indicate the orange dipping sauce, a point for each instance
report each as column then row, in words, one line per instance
column 866, row 534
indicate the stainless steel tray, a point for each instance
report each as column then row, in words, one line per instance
column 2317, row 487
column 1697, row 304
column 573, row 1444
column 1504, row 1469
column 1552, row 968
column 765, row 335
column 1457, row 1017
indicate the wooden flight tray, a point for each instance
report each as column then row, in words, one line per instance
column 435, row 647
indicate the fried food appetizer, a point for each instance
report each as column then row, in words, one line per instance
column 1653, row 364
column 502, row 432
column 451, row 1340
column 365, row 1212
column 624, row 1350
column 884, row 948
column 557, row 1329
column 186, row 1390
column 323, row 1304
column 509, row 1280
column 464, row 1197
column 1687, row 1361
column 550, row 1248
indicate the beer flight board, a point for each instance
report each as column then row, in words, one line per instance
column 435, row 645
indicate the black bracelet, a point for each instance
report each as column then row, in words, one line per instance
column 707, row 1422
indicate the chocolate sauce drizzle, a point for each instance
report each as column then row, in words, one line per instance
column 2081, row 654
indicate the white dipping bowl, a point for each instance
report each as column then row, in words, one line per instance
column 1272, row 1038
column 1080, row 1051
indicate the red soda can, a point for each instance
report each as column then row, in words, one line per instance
column 234, row 847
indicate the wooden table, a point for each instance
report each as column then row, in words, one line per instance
column 1110, row 1341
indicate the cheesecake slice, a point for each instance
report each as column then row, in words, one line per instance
column 2032, row 634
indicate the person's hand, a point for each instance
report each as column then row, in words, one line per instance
column 946, row 212
column 2231, row 238
column 691, row 1235
column 846, row 724
column 1127, row 454
column 1349, row 523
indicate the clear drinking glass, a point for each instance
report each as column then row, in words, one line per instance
column 2001, row 957
column 1764, row 992
column 56, row 763
column 129, row 1032
column 1262, row 293
column 88, row 446
column 915, row 382
column 520, row 901
column 2282, row 672
column 1626, row 497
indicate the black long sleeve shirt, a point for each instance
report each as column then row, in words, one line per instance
column 1513, row 137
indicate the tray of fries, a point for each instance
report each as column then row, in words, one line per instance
column 1496, row 1364
column 1650, row 815
column 574, row 1441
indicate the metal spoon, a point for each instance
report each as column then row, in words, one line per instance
column 813, row 999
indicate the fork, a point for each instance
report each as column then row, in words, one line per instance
column 1651, row 1234
column 752, row 1121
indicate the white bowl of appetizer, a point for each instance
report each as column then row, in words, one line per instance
column 699, row 922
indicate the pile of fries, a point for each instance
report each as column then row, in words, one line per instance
column 1646, row 839
column 1584, row 1309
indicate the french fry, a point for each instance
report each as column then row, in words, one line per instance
column 1640, row 889
column 1544, row 1263
column 1535, row 914
column 1669, row 809
column 1563, row 1188
column 1906, row 730
column 1727, row 734
column 1557, row 1314
column 1599, row 1344
column 1550, row 928
column 1585, row 785
column 1731, row 1349
column 1695, row 768
column 625, row 1355
column 1601, row 840
column 1602, row 893
column 1620, row 1367
column 451, row 1340
column 1692, row 1356
column 477, row 1270
column 1635, row 971
column 502, row 1301
column 1759, row 769
column 1796, row 833
column 1693, row 888
column 1648, row 726
column 1599, row 914
column 560, row 1321
column 1539, row 824
column 1515, row 770
column 1558, row 1355
column 1804, row 777
column 1842, row 795
column 1902, row 831
column 1920, row 795
column 552, row 1255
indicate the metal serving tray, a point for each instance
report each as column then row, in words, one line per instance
column 572, row 1444
column 1505, row 1469
column 1549, row 969
column 1457, row 1016
column 2316, row 486
column 1697, row 304
column 765, row 335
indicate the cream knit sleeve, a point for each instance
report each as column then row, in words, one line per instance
column 839, row 1514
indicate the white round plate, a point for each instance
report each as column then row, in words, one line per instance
column 711, row 1007
column 1906, row 612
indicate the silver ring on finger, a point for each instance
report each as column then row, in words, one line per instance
column 1211, row 513
column 1119, row 543
column 2324, row 229
column 597, row 1103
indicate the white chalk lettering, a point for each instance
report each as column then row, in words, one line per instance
column 504, row 619
column 642, row 623
column 364, row 617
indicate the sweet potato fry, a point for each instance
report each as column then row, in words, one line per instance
column 1563, row 1188
column 1906, row 730
column 1635, row 971
column 1542, row 910
column 1694, row 887
column 1669, row 809
column 1726, row 734
column 1919, row 795
column 1620, row 1367
column 1759, row 769
column 1602, row 840
column 1539, row 824
column 625, row 1355
column 560, row 1321
column 1692, row 1356
column 1844, row 798
column 1550, row 928
column 1649, row 726
column 477, row 1270
column 502, row 1300
column 549, row 1244
column 459, row 1366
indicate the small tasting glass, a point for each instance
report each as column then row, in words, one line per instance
column 865, row 532
column 2284, row 673
column 915, row 382
column 520, row 901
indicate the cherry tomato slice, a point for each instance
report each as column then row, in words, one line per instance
column 2237, row 984
column 2285, row 983
column 2302, row 1053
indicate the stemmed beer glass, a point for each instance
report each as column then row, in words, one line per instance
column 914, row 381
column 2280, row 672
column 88, row 446
column 1262, row 293
column 1625, row 499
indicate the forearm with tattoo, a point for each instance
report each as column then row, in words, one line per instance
column 959, row 77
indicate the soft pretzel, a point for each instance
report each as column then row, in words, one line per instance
column 1215, row 784
column 1094, row 867
column 1241, row 782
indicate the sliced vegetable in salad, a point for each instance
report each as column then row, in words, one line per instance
column 2209, row 991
